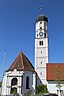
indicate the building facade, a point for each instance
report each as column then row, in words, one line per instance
column 47, row 72
column 22, row 76
column 41, row 47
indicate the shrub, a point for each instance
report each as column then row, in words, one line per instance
column 41, row 89
column 28, row 92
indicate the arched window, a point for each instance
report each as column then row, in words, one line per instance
column 14, row 81
column 27, row 82
column 13, row 90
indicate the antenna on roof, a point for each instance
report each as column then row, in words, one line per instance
column 4, row 63
column 3, row 69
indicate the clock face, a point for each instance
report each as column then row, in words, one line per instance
column 41, row 34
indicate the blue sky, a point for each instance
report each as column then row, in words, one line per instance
column 17, row 29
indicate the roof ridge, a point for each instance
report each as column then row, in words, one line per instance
column 22, row 59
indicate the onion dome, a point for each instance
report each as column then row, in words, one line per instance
column 41, row 17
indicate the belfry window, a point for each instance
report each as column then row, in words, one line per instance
column 40, row 42
column 27, row 82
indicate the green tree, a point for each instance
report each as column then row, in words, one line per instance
column 41, row 89
column 59, row 77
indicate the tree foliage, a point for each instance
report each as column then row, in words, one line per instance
column 59, row 77
column 41, row 89
column 28, row 92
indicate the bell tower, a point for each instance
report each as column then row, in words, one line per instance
column 41, row 47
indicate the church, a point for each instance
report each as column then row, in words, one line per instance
column 22, row 76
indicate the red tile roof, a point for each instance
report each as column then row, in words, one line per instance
column 55, row 71
column 21, row 63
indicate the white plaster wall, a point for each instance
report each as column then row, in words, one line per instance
column 41, row 62
column 4, row 85
column 51, row 85
column 41, row 52
column 52, row 88
column 41, row 73
column 41, row 57
column 44, row 28
column 7, row 81
column 32, row 81
column 45, row 42
column 38, row 25
column 18, row 74
column 43, row 25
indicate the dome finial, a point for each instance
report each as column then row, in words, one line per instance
column 41, row 9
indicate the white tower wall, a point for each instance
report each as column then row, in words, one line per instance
column 41, row 49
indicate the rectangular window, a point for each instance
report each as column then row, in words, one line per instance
column 40, row 42
column 27, row 82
